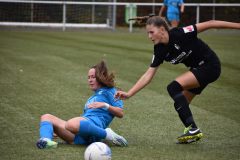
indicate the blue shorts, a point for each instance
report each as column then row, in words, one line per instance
column 89, row 139
column 79, row 140
column 173, row 16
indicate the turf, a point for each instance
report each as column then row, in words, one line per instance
column 46, row 72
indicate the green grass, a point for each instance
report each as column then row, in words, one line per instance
column 46, row 72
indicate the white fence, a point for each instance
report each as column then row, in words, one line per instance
column 110, row 16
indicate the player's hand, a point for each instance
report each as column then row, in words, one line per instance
column 121, row 95
column 96, row 105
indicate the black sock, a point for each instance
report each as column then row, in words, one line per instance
column 184, row 112
column 181, row 104
column 191, row 122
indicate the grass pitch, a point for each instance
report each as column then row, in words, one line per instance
column 46, row 72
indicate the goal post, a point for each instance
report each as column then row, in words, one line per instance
column 97, row 14
column 56, row 14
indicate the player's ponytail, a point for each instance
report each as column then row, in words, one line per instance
column 141, row 20
column 152, row 20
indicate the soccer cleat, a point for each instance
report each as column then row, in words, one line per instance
column 46, row 143
column 117, row 139
column 190, row 135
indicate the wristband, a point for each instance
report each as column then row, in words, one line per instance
column 106, row 105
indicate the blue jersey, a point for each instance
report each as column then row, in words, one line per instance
column 101, row 116
column 173, row 5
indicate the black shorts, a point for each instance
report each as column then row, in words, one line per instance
column 206, row 73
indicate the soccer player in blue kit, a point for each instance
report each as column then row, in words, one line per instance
column 181, row 45
column 174, row 10
column 91, row 126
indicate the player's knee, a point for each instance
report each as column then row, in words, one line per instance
column 46, row 117
column 72, row 126
column 174, row 88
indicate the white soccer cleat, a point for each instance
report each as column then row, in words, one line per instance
column 117, row 139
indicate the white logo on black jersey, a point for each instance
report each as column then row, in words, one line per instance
column 180, row 57
column 153, row 58
column 200, row 63
column 177, row 46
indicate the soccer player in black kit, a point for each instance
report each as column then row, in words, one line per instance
column 181, row 45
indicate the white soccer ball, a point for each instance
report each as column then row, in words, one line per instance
column 98, row 151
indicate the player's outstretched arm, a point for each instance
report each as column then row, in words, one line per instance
column 216, row 24
column 141, row 83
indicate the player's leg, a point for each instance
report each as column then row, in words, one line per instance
column 174, row 19
column 204, row 75
column 181, row 104
column 195, row 81
column 178, row 91
column 49, row 125
column 86, row 128
column 188, row 95
column 190, row 134
column 93, row 132
column 174, row 23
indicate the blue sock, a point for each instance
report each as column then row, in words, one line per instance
column 46, row 130
column 88, row 129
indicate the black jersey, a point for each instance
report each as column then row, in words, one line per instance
column 184, row 47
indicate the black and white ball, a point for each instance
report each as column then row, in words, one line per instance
column 98, row 151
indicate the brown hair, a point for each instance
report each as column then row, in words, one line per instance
column 152, row 20
column 158, row 22
column 103, row 76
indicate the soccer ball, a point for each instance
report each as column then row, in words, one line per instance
column 98, row 151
